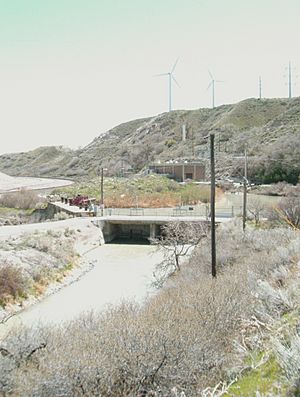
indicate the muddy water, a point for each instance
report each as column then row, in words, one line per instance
column 122, row 271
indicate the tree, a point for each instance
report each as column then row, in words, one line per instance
column 288, row 211
column 176, row 241
column 255, row 207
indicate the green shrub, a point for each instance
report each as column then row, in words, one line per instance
column 170, row 142
column 273, row 172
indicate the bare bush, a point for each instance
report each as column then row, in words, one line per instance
column 176, row 241
column 255, row 207
column 12, row 283
column 288, row 211
column 179, row 339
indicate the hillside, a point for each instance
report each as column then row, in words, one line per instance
column 269, row 128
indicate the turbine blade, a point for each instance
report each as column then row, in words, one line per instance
column 174, row 66
column 173, row 78
column 209, row 85
column 219, row 81
column 161, row 74
column 212, row 77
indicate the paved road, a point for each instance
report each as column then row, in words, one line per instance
column 17, row 230
column 11, row 183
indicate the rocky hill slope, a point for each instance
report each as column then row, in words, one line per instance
column 268, row 128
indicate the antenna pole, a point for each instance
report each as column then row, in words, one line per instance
column 290, row 81
column 259, row 87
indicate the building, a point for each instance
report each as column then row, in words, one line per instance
column 180, row 170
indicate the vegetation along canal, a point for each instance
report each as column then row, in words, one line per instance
column 122, row 272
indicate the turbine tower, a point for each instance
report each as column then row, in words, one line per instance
column 170, row 78
column 212, row 85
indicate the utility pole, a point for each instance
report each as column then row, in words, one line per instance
column 290, row 80
column 212, row 205
column 102, row 198
column 259, row 87
column 245, row 192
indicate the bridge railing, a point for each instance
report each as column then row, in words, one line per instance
column 184, row 211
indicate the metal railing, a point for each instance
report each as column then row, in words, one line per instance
column 179, row 211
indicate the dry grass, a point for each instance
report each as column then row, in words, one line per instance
column 152, row 191
column 22, row 199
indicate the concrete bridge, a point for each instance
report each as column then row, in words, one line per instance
column 142, row 223
column 140, row 227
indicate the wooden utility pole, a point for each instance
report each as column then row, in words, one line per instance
column 212, row 206
column 102, row 197
column 245, row 192
column 259, row 87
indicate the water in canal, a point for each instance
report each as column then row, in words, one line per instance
column 122, row 271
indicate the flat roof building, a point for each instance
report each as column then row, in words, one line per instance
column 180, row 170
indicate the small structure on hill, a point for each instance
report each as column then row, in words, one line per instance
column 180, row 170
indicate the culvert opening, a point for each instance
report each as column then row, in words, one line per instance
column 130, row 233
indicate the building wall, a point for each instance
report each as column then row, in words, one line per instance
column 181, row 171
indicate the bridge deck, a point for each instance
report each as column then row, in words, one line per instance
column 158, row 219
column 198, row 213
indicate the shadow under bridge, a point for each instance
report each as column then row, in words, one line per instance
column 137, row 228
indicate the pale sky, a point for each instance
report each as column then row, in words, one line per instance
column 72, row 69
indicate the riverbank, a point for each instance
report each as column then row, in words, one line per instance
column 30, row 247
column 75, row 274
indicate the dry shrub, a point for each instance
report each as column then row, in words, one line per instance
column 289, row 211
column 12, row 283
column 22, row 199
column 288, row 354
column 56, row 244
column 34, row 261
column 182, row 338
column 150, row 200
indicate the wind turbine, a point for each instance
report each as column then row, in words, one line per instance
column 170, row 77
column 212, row 85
